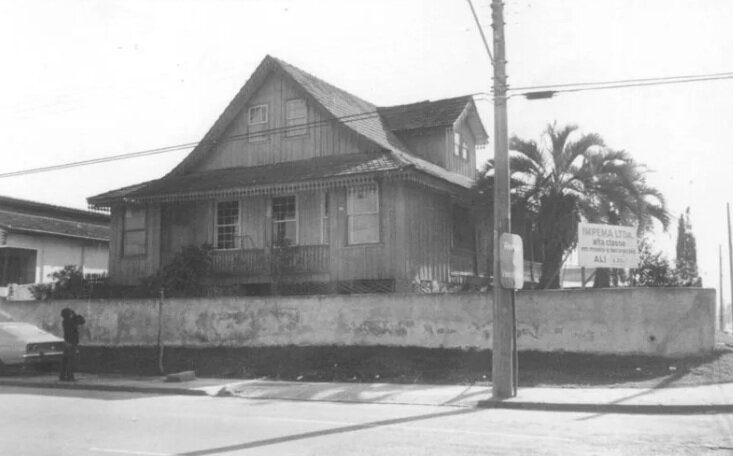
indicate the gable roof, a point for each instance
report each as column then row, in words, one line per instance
column 24, row 216
column 361, row 117
column 424, row 114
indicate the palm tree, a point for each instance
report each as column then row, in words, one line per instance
column 568, row 178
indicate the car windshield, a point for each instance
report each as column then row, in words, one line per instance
column 21, row 330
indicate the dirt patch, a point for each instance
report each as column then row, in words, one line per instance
column 412, row 365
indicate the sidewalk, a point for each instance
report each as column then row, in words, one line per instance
column 685, row 400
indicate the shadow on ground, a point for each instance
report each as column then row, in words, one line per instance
column 408, row 365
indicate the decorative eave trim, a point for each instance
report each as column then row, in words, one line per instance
column 409, row 174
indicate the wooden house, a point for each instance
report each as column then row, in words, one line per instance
column 360, row 197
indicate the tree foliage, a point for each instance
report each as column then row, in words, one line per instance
column 686, row 261
column 184, row 275
column 567, row 177
column 655, row 270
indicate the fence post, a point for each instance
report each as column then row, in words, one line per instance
column 160, row 331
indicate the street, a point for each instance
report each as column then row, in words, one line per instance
column 76, row 422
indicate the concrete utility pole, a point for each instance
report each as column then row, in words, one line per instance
column 730, row 259
column 504, row 363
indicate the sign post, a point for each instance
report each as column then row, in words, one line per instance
column 607, row 246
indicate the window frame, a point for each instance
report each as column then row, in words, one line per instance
column 376, row 212
column 237, row 225
column 252, row 108
column 126, row 230
column 295, row 218
column 456, row 143
column 292, row 131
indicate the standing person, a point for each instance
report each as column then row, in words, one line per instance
column 71, row 322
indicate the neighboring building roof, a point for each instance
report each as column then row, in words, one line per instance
column 33, row 217
column 424, row 114
column 374, row 124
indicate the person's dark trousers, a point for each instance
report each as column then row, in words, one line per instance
column 68, row 363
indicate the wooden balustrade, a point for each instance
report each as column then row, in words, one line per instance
column 286, row 261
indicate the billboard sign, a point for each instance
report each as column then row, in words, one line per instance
column 607, row 246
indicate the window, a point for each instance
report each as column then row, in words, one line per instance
column 227, row 224
column 296, row 117
column 133, row 232
column 325, row 236
column 463, row 232
column 460, row 146
column 258, row 114
column 362, row 210
column 257, row 123
column 284, row 220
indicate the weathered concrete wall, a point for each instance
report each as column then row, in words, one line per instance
column 663, row 321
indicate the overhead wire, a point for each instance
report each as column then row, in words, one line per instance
column 366, row 115
column 520, row 91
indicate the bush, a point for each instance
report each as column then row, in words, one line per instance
column 70, row 283
column 184, row 276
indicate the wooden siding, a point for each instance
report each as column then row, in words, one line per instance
column 363, row 261
column 427, row 143
column 325, row 138
column 255, row 222
column 458, row 164
column 427, row 217
column 129, row 270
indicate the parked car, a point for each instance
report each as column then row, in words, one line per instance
column 26, row 344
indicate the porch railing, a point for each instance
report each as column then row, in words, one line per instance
column 284, row 261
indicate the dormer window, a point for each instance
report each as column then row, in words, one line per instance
column 460, row 146
column 258, row 114
column 296, row 117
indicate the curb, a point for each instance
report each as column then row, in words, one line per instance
column 638, row 409
column 173, row 391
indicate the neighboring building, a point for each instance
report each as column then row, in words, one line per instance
column 37, row 239
column 370, row 197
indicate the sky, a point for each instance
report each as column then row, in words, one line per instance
column 85, row 79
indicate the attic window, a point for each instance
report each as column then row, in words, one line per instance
column 258, row 114
column 457, row 144
column 296, row 117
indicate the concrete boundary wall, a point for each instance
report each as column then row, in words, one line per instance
column 671, row 322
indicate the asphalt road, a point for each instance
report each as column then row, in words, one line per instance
column 68, row 422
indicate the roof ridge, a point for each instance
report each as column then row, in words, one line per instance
column 457, row 99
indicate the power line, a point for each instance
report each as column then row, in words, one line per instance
column 481, row 31
column 584, row 87
column 244, row 136
column 623, row 81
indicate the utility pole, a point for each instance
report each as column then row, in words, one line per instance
column 503, row 350
column 730, row 259
column 721, row 315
